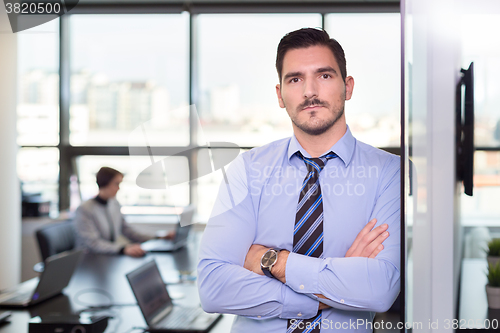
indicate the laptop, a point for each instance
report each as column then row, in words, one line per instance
column 4, row 317
column 55, row 277
column 181, row 235
column 156, row 306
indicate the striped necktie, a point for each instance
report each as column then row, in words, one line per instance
column 308, row 231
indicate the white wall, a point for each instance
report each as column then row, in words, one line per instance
column 10, row 201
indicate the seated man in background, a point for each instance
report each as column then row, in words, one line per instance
column 100, row 225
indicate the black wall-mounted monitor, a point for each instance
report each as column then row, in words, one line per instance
column 465, row 129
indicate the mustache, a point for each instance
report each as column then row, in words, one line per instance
column 311, row 102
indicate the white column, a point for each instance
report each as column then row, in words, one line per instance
column 435, row 68
column 10, row 201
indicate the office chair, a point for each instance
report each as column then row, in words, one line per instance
column 55, row 238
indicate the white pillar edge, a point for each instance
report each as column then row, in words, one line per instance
column 10, row 197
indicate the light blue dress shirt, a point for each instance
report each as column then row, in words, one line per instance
column 257, row 205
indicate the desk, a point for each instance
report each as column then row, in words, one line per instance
column 107, row 272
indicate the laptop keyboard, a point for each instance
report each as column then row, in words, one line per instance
column 16, row 297
column 180, row 317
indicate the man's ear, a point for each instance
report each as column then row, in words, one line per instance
column 280, row 99
column 349, row 87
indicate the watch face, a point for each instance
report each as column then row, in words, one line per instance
column 269, row 258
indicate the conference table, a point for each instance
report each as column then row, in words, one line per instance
column 99, row 280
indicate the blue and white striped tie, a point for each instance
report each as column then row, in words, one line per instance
column 308, row 231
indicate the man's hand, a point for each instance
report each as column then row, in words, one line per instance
column 169, row 235
column 134, row 250
column 368, row 243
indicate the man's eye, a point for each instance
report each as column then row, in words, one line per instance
column 326, row 76
column 294, row 80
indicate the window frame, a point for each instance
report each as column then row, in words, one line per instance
column 69, row 153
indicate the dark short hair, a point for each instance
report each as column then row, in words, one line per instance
column 307, row 37
column 105, row 175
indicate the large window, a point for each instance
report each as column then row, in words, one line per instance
column 38, row 85
column 132, row 77
column 478, row 48
column 127, row 70
column 481, row 209
column 38, row 112
column 371, row 43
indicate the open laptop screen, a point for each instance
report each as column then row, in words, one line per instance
column 149, row 289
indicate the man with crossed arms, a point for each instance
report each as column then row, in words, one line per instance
column 294, row 242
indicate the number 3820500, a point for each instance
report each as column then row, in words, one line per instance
column 33, row 8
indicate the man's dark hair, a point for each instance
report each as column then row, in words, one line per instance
column 307, row 37
column 105, row 175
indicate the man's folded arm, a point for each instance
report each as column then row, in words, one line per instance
column 356, row 283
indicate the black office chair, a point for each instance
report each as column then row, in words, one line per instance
column 55, row 238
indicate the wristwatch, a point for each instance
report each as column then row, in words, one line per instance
column 268, row 260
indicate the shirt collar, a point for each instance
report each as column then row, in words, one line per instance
column 101, row 200
column 344, row 148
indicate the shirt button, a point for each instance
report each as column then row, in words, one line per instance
column 342, row 301
column 299, row 314
column 301, row 286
